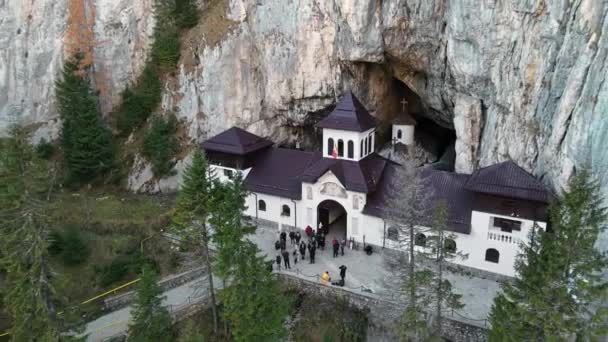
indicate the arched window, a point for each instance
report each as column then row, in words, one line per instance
column 285, row 210
column 340, row 148
column 492, row 255
column 393, row 234
column 449, row 245
column 351, row 149
column 420, row 240
column 330, row 146
column 399, row 134
column 369, row 144
column 262, row 205
column 361, row 152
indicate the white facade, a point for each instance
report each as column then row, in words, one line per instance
column 224, row 174
column 403, row 134
column 489, row 247
column 363, row 143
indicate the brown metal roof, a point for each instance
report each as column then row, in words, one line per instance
column 362, row 176
column 236, row 141
column 440, row 185
column 349, row 115
column 404, row 119
column 277, row 172
column 509, row 180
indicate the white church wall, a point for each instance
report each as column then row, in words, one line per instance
column 274, row 208
column 484, row 236
column 346, row 136
column 222, row 173
column 407, row 134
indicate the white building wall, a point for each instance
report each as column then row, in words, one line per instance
column 220, row 172
column 484, row 236
column 407, row 134
column 274, row 208
column 356, row 137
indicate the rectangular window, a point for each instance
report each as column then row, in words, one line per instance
column 507, row 225
column 355, row 226
column 355, row 202
column 309, row 216
column 228, row 173
column 309, row 192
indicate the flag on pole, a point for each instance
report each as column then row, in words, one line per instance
column 334, row 153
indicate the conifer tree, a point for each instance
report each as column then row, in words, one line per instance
column 192, row 213
column 440, row 249
column 86, row 142
column 150, row 320
column 252, row 301
column 556, row 295
column 28, row 292
column 186, row 13
column 160, row 145
column 407, row 206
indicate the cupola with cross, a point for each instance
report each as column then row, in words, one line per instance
column 403, row 127
column 348, row 131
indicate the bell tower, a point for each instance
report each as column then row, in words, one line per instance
column 348, row 131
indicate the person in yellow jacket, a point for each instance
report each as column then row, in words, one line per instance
column 325, row 278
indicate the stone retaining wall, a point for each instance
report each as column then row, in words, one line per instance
column 384, row 314
column 124, row 299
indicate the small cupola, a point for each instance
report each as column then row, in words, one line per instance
column 348, row 131
column 403, row 127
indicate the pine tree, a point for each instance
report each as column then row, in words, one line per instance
column 192, row 213
column 86, row 142
column 186, row 13
column 160, row 145
column 406, row 208
column 440, row 249
column 28, row 292
column 252, row 292
column 557, row 292
column 150, row 320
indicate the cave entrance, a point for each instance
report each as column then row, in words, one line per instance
column 434, row 138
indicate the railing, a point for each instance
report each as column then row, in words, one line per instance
column 507, row 238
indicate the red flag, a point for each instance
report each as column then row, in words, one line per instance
column 334, row 153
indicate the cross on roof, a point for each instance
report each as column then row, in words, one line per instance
column 403, row 103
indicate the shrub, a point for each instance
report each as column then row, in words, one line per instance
column 138, row 103
column 160, row 145
column 165, row 49
column 186, row 13
column 69, row 245
column 116, row 270
column 44, row 149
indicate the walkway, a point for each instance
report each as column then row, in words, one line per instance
column 364, row 272
column 371, row 272
column 116, row 322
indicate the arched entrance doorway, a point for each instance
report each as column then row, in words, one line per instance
column 331, row 215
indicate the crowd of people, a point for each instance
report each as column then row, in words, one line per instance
column 301, row 248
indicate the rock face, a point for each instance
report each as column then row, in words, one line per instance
column 36, row 36
column 518, row 79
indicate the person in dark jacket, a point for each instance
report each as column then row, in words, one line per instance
column 283, row 236
column 292, row 238
column 342, row 272
column 277, row 245
column 298, row 237
column 303, row 250
column 342, row 246
column 283, row 245
column 286, row 259
column 278, row 260
column 312, row 250
column 336, row 247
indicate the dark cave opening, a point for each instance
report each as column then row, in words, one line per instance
column 432, row 137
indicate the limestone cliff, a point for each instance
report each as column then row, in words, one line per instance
column 519, row 79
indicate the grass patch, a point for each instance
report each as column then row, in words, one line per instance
column 106, row 212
